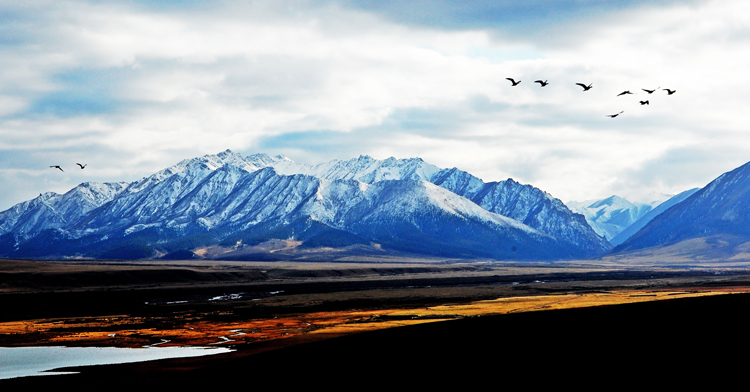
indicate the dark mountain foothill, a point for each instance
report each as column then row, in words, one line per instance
column 713, row 222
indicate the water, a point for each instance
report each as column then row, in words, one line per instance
column 32, row 361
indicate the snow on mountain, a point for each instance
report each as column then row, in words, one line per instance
column 434, row 220
column 404, row 204
column 393, row 198
column 364, row 169
column 281, row 163
column 610, row 216
column 652, row 198
column 524, row 203
column 642, row 221
column 51, row 210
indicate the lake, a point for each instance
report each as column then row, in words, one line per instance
column 36, row 361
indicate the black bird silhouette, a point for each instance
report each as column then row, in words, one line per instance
column 614, row 115
column 513, row 81
column 624, row 92
column 644, row 102
column 585, row 87
column 650, row 91
column 82, row 166
column 670, row 92
column 543, row 83
column 58, row 167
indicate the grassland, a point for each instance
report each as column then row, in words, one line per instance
column 266, row 309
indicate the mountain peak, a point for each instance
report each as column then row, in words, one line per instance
column 611, row 201
column 283, row 157
column 611, row 215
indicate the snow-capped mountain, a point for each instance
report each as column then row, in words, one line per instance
column 405, row 205
column 524, row 203
column 719, row 213
column 610, row 216
column 53, row 211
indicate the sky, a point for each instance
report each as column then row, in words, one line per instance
column 132, row 87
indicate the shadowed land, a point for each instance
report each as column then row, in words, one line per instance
column 310, row 323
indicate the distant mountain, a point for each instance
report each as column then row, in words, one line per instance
column 236, row 202
column 642, row 221
column 610, row 216
column 714, row 219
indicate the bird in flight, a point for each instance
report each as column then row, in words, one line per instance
column 670, row 92
column 644, row 102
column 614, row 115
column 650, row 91
column 585, row 87
column 543, row 83
column 82, row 166
column 513, row 81
column 624, row 92
column 58, row 167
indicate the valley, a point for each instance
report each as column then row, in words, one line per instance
column 257, row 308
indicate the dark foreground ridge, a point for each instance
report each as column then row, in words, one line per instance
column 660, row 343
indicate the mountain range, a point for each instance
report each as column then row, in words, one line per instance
column 238, row 203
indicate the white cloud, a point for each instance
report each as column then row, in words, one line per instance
column 153, row 86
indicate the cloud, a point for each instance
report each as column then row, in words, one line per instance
column 679, row 169
column 138, row 86
column 541, row 23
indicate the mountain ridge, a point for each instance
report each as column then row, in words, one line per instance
column 524, row 203
column 720, row 208
column 228, row 198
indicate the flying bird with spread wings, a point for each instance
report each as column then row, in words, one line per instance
column 670, row 92
column 585, row 87
column 650, row 91
column 58, row 167
column 541, row 82
column 624, row 92
column 513, row 81
column 82, row 166
column 644, row 102
column 614, row 115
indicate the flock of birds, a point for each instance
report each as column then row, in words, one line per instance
column 513, row 82
column 82, row 166
column 588, row 87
